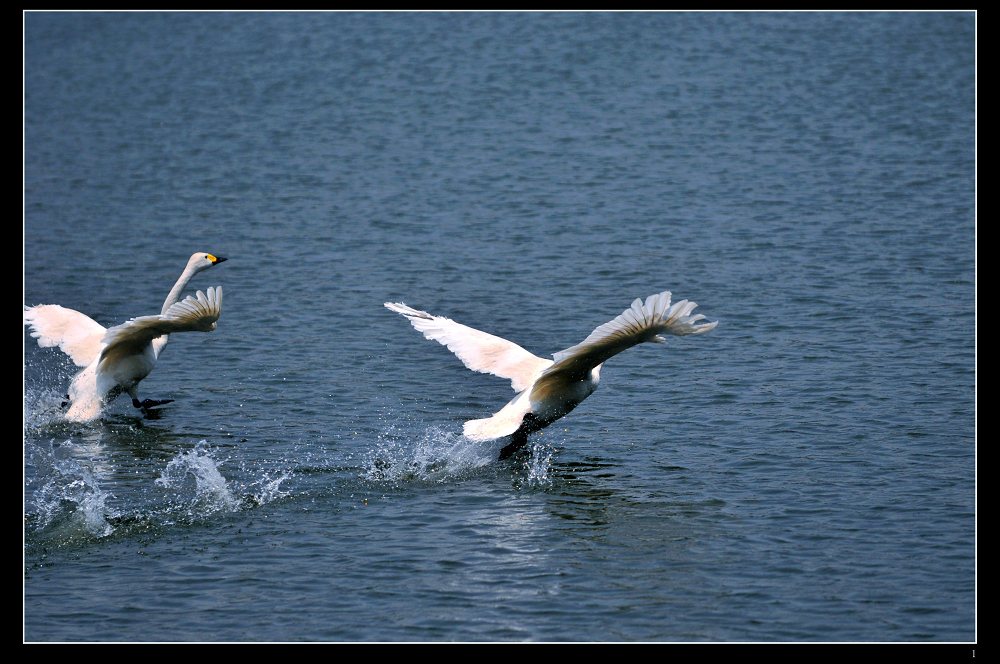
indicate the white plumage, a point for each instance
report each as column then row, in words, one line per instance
column 478, row 350
column 549, row 389
column 76, row 334
column 117, row 359
column 192, row 314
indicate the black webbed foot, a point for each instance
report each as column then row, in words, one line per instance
column 150, row 403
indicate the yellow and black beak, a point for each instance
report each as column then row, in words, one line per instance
column 217, row 259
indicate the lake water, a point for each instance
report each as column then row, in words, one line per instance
column 805, row 472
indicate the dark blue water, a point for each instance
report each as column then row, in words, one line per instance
column 806, row 471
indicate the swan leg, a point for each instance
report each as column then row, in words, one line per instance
column 147, row 403
column 518, row 439
column 150, row 403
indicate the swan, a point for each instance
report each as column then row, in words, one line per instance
column 115, row 360
column 549, row 389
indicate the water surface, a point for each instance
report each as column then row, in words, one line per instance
column 806, row 471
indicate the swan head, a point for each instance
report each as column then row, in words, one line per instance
column 202, row 261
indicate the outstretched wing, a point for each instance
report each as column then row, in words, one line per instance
column 196, row 313
column 76, row 334
column 640, row 322
column 478, row 350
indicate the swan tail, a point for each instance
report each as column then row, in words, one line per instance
column 489, row 428
column 85, row 402
column 502, row 423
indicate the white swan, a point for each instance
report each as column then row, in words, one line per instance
column 116, row 359
column 549, row 389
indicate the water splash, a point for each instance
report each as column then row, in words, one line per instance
column 435, row 456
column 195, row 477
column 70, row 504
column 537, row 466
column 68, row 501
column 42, row 407
column 268, row 488
column 200, row 489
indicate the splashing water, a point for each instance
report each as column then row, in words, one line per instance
column 42, row 407
column 436, row 456
column 70, row 504
column 536, row 467
column 196, row 473
column 267, row 488
column 46, row 381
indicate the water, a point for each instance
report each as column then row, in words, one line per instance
column 804, row 472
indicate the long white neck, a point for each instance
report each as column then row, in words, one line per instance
column 175, row 292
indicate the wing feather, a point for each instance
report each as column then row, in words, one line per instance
column 641, row 322
column 76, row 334
column 478, row 350
column 197, row 313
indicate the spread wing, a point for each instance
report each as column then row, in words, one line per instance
column 76, row 334
column 639, row 323
column 478, row 350
column 196, row 313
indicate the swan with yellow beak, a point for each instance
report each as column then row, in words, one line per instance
column 115, row 360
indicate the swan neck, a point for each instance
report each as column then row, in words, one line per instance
column 175, row 292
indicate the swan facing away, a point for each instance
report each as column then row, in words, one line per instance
column 548, row 389
column 115, row 360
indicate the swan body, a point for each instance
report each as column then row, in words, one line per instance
column 115, row 360
column 549, row 389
